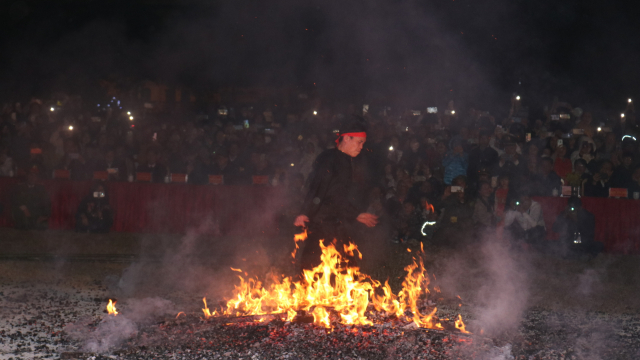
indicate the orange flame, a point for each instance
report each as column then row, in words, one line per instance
column 297, row 238
column 334, row 285
column 111, row 308
column 460, row 325
column 207, row 313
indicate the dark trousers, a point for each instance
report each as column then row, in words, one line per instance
column 23, row 222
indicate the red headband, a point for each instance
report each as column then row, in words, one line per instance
column 352, row 134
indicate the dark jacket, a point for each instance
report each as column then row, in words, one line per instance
column 333, row 195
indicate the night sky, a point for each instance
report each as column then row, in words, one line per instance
column 475, row 51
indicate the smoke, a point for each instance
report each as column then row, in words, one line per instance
column 113, row 331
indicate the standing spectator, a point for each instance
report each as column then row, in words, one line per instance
column 455, row 162
column 31, row 206
column 94, row 213
column 600, row 182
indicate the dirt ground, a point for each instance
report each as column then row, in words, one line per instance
column 508, row 294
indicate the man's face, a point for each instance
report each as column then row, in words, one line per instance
column 485, row 190
column 483, row 141
column 546, row 167
column 352, row 145
column 606, row 169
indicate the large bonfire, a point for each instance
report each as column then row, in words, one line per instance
column 335, row 292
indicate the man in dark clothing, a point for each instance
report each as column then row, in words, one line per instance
column 455, row 225
column 600, row 182
column 31, row 206
column 577, row 229
column 229, row 171
column 332, row 204
column 622, row 175
column 157, row 171
column 547, row 180
column 481, row 156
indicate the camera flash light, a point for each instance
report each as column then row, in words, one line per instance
column 131, row 118
column 453, row 112
column 52, row 109
column 70, row 127
column 390, row 148
column 518, row 97
column 630, row 100
column 599, row 129
column 622, row 115
column 315, row 112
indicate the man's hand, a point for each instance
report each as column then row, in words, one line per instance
column 301, row 220
column 368, row 219
column 25, row 210
column 596, row 178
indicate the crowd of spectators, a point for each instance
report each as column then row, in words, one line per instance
column 460, row 169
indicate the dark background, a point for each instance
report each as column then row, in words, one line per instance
column 476, row 51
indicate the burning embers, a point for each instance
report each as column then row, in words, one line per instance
column 336, row 292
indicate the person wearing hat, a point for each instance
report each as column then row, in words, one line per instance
column 332, row 201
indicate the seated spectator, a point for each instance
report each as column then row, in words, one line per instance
column 409, row 222
column 483, row 209
column 455, row 162
column 622, row 174
column 502, row 197
column 230, row 172
column 94, row 214
column 158, row 171
column 30, row 205
column 633, row 186
column 577, row 229
column 561, row 164
column 509, row 164
column 579, row 175
column 455, row 222
column 73, row 161
column 6, row 163
column 524, row 222
column 598, row 185
column 482, row 156
column 586, row 152
column 116, row 168
column 202, row 167
column 547, row 181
